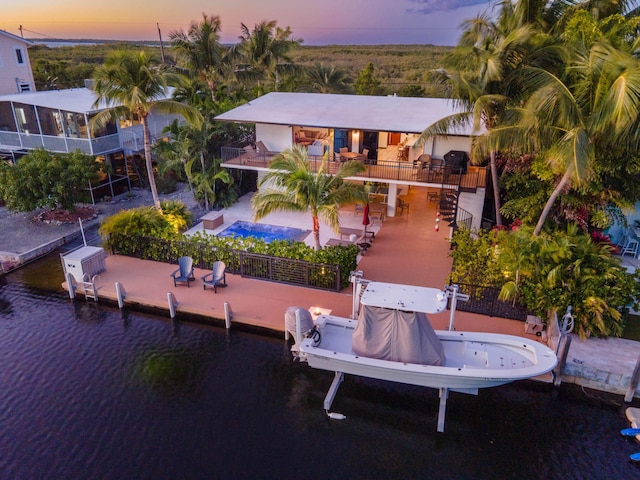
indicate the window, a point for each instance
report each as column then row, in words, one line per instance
column 19, row 56
column 24, row 87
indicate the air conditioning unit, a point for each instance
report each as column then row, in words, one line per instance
column 84, row 261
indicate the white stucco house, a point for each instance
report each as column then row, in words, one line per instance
column 15, row 68
column 380, row 131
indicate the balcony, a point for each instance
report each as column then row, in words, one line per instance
column 375, row 170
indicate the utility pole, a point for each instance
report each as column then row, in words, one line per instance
column 21, row 32
column 161, row 45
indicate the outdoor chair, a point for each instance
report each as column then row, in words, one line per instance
column 184, row 274
column 263, row 150
column 217, row 277
column 402, row 206
column 630, row 246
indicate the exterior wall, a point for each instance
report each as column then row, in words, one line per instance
column 443, row 145
column 10, row 70
column 275, row 137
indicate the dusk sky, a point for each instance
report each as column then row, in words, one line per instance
column 317, row 23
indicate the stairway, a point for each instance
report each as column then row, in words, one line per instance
column 448, row 205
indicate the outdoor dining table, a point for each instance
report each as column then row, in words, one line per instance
column 351, row 156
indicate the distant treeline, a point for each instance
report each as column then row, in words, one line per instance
column 401, row 69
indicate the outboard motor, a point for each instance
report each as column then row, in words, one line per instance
column 297, row 329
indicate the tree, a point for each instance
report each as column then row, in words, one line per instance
column 593, row 106
column 480, row 76
column 200, row 51
column 321, row 78
column 134, row 85
column 45, row 179
column 262, row 52
column 292, row 186
column 366, row 83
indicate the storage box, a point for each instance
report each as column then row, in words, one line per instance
column 84, row 261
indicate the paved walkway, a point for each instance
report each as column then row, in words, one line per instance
column 407, row 249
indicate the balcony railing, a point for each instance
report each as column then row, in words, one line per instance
column 376, row 170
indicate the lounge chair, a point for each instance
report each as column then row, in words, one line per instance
column 263, row 150
column 184, row 274
column 217, row 277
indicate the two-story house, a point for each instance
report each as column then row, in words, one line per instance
column 15, row 68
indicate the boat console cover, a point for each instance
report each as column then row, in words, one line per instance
column 396, row 335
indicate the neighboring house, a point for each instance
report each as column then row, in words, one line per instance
column 15, row 68
column 381, row 131
column 58, row 120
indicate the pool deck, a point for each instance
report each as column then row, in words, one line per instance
column 407, row 249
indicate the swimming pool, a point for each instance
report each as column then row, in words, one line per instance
column 268, row 233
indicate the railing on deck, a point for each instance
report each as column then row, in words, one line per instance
column 250, row 265
column 484, row 300
column 448, row 177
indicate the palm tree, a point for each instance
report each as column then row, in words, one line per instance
column 481, row 79
column 594, row 107
column 293, row 186
column 200, row 51
column 321, row 78
column 133, row 85
column 262, row 51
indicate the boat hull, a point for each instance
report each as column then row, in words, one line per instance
column 472, row 359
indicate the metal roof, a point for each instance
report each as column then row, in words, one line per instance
column 355, row 112
column 79, row 100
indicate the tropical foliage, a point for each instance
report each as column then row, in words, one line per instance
column 548, row 273
column 147, row 221
column 292, row 185
column 132, row 85
column 44, row 179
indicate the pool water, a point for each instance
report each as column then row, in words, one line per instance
column 88, row 391
column 265, row 232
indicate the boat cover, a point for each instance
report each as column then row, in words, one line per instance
column 306, row 321
column 396, row 335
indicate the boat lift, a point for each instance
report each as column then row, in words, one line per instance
column 451, row 293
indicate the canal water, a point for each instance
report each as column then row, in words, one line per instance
column 91, row 392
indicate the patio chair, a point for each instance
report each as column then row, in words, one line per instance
column 184, row 274
column 217, row 277
column 630, row 246
column 263, row 150
column 402, row 206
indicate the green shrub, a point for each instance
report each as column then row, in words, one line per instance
column 546, row 274
column 147, row 222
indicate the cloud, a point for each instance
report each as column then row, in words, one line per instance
column 431, row 6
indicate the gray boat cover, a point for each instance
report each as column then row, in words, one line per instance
column 306, row 321
column 397, row 336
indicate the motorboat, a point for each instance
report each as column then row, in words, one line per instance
column 390, row 338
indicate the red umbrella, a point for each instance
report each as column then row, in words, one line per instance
column 365, row 217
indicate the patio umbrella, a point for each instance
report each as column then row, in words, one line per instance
column 365, row 218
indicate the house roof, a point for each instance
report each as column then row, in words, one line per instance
column 356, row 112
column 15, row 37
column 78, row 100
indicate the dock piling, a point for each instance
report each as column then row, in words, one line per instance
column 121, row 294
column 228, row 315
column 173, row 303
column 70, row 286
